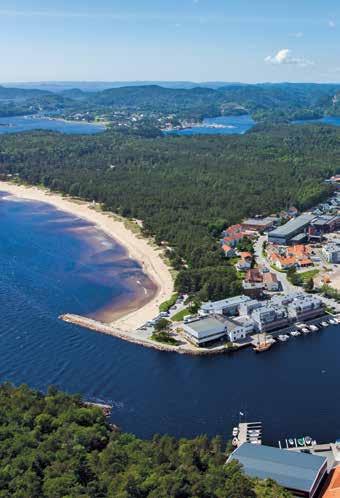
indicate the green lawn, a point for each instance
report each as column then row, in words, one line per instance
column 180, row 315
column 306, row 275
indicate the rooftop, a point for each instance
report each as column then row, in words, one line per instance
column 204, row 326
column 289, row 469
column 297, row 223
column 231, row 301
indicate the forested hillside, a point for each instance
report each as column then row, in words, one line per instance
column 185, row 189
column 264, row 102
column 53, row 447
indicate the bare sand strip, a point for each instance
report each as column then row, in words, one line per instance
column 138, row 249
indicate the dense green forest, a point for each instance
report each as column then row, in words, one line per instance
column 53, row 447
column 185, row 189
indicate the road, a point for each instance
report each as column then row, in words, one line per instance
column 282, row 278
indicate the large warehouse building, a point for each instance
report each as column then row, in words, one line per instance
column 298, row 472
column 283, row 235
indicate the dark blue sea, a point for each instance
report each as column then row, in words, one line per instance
column 15, row 124
column 52, row 263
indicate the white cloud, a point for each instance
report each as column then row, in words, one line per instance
column 331, row 23
column 299, row 34
column 284, row 56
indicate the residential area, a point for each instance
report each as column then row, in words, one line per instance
column 288, row 264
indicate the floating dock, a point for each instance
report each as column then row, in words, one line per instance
column 249, row 432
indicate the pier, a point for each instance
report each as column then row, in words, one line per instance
column 248, row 432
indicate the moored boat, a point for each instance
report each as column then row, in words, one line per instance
column 262, row 347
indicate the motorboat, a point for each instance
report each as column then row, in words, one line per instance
column 234, row 441
column 295, row 333
column 301, row 441
column 254, row 432
column 332, row 321
column 300, row 325
column 283, row 337
column 235, row 431
column 324, row 324
column 291, row 441
column 313, row 328
column 305, row 330
column 308, row 440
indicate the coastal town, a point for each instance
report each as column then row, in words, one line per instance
column 290, row 264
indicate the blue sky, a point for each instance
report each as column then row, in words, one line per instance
column 197, row 40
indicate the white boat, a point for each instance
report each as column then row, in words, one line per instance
column 299, row 325
column 295, row 333
column 313, row 328
column 324, row 324
column 235, row 431
column 283, row 337
column 234, row 441
column 333, row 322
column 305, row 330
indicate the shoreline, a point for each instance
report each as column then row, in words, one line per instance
column 138, row 248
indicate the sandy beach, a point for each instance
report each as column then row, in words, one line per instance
column 138, row 248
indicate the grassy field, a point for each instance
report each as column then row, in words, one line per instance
column 180, row 315
column 306, row 275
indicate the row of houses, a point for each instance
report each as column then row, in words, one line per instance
column 234, row 318
column 287, row 257
column 231, row 236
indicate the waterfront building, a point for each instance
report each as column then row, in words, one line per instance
column 300, row 473
column 239, row 327
column 283, row 235
column 270, row 317
column 305, row 307
column 228, row 306
column 204, row 331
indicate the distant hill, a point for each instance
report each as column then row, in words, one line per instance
column 265, row 101
column 96, row 86
column 20, row 93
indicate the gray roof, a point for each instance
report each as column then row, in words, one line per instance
column 299, row 237
column 231, row 301
column 205, row 325
column 290, row 469
column 293, row 225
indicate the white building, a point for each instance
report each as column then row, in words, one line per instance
column 270, row 317
column 204, row 331
column 332, row 252
column 239, row 327
column 225, row 306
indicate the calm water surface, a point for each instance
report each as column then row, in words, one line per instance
column 238, row 125
column 226, row 125
column 51, row 263
column 15, row 124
